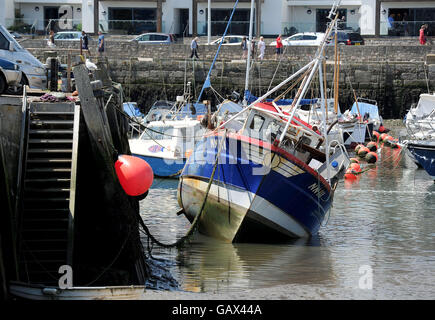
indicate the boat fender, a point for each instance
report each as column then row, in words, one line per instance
column 363, row 151
column 371, row 157
column 134, row 174
column 375, row 136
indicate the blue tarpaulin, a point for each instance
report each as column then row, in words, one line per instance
column 250, row 98
column 364, row 108
column 132, row 109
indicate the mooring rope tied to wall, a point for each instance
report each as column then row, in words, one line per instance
column 195, row 224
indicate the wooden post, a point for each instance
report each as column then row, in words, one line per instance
column 68, row 70
column 194, row 18
column 159, row 15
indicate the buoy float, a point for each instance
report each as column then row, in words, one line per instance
column 382, row 137
column 375, row 136
column 354, row 160
column 371, row 157
column 381, row 129
column 372, row 146
column 355, row 167
column 350, row 174
column 135, row 174
column 363, row 151
column 358, row 147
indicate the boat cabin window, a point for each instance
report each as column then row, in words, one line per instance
column 257, row 123
column 158, row 133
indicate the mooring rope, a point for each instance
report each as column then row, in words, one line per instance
column 195, row 223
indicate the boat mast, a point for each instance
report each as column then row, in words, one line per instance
column 248, row 61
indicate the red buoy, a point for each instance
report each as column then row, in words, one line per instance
column 358, row 147
column 381, row 129
column 354, row 160
column 135, row 174
column 371, row 157
column 355, row 167
column 363, row 151
column 349, row 175
column 375, row 136
column 383, row 136
column 372, row 146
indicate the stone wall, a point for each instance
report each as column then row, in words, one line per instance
column 393, row 75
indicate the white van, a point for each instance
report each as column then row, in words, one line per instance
column 34, row 72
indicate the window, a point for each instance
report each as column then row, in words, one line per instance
column 296, row 38
column 158, row 37
column 306, row 37
column 145, row 37
column 257, row 123
column 158, row 133
column 4, row 43
column 235, row 40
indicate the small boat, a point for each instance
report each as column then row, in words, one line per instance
column 268, row 177
column 369, row 112
column 166, row 145
column 423, row 151
column 42, row 292
column 420, row 119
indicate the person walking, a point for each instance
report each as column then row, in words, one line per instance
column 244, row 45
column 50, row 41
column 85, row 42
column 101, row 44
column 422, row 37
column 194, row 48
column 279, row 46
column 253, row 47
column 261, row 48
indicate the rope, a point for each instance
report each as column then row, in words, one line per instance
column 195, row 223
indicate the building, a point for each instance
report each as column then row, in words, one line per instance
column 189, row 17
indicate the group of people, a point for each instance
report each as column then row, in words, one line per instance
column 261, row 45
column 85, row 42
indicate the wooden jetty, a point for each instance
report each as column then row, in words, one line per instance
column 65, row 205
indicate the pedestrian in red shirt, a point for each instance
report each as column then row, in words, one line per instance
column 423, row 38
column 278, row 47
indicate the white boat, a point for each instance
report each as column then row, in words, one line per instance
column 420, row 119
column 41, row 292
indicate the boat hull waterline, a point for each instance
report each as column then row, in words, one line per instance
column 258, row 191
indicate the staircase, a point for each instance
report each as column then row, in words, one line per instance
column 48, row 189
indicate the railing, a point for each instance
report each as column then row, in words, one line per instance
column 28, row 26
column 291, row 28
column 218, row 28
column 405, row 28
column 133, row 27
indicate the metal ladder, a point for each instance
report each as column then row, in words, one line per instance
column 48, row 190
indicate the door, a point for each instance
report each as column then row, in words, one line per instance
column 183, row 29
column 51, row 15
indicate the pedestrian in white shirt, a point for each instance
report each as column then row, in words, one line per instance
column 261, row 48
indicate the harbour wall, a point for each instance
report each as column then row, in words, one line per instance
column 394, row 74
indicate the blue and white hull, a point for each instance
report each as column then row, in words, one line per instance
column 162, row 167
column 258, row 193
column 424, row 153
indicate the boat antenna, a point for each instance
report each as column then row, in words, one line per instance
column 248, row 61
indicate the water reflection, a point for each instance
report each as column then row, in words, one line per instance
column 384, row 219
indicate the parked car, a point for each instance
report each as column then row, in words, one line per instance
column 10, row 75
column 302, row 39
column 33, row 71
column 229, row 41
column 347, row 37
column 69, row 36
column 155, row 38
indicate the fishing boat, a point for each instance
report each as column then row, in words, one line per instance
column 423, row 151
column 166, row 135
column 267, row 178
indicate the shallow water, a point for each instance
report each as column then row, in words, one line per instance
column 384, row 221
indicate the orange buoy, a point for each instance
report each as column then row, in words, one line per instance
column 375, row 136
column 383, row 136
column 371, row 157
column 363, row 151
column 358, row 147
column 135, row 174
column 355, row 167
column 372, row 146
column 381, row 129
column 354, row 160
column 350, row 174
